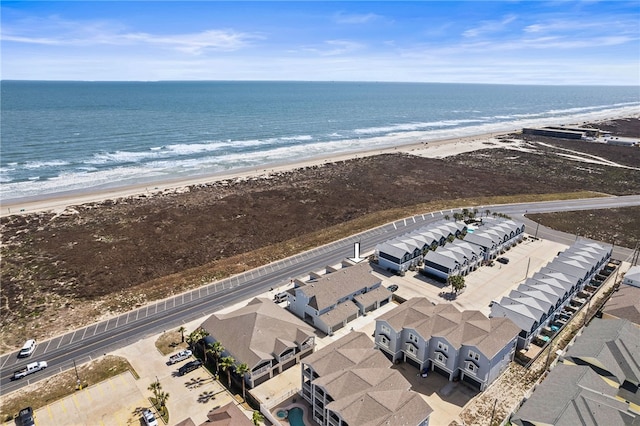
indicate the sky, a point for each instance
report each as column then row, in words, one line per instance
column 505, row 42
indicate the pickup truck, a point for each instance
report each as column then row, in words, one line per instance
column 180, row 356
column 29, row 369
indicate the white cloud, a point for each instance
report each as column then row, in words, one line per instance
column 488, row 27
column 334, row 48
column 57, row 32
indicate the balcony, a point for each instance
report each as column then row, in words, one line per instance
column 287, row 356
column 260, row 371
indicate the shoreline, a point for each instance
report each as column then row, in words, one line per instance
column 437, row 148
column 58, row 202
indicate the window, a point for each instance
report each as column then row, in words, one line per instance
column 411, row 349
column 384, row 341
column 471, row 367
column 474, row 355
column 442, row 347
column 413, row 338
column 385, row 329
column 441, row 358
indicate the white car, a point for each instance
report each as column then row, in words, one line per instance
column 27, row 349
column 149, row 418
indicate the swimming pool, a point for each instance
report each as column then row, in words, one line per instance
column 295, row 416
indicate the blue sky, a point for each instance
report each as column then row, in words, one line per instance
column 531, row 42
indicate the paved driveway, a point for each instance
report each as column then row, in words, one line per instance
column 121, row 399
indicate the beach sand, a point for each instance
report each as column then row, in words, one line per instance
column 59, row 202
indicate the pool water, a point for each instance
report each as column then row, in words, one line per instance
column 282, row 414
column 295, row 416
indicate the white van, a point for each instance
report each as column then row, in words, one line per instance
column 27, row 349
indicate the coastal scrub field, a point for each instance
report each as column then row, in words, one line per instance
column 64, row 270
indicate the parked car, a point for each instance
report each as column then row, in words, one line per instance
column 28, row 348
column 180, row 356
column 281, row 297
column 188, row 367
column 26, row 418
column 149, row 418
column 502, row 260
column 392, row 288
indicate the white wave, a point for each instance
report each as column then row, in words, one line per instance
column 297, row 138
column 40, row 164
column 218, row 161
column 121, row 157
column 412, row 126
column 194, row 148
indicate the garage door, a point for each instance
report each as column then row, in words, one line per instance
column 412, row 361
column 441, row 370
column 472, row 381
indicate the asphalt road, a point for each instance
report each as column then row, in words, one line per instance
column 95, row 340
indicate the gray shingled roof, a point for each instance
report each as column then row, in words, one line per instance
column 440, row 259
column 382, row 407
column 615, row 344
column 391, row 250
column 330, row 288
column 378, row 294
column 365, row 390
column 257, row 331
column 480, row 239
column 354, row 349
column 625, row 304
column 574, row 395
column 339, row 314
column 489, row 335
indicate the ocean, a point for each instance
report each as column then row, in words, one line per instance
column 82, row 136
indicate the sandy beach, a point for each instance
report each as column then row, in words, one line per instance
column 59, row 202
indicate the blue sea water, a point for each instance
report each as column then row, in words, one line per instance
column 70, row 136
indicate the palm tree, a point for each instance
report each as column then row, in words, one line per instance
column 216, row 350
column 155, row 387
column 193, row 337
column 226, row 363
column 446, row 217
column 487, row 212
column 181, row 330
column 162, row 398
column 203, row 333
column 241, row 370
column 257, row 418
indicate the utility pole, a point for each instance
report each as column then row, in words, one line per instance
column 78, row 382
column 493, row 413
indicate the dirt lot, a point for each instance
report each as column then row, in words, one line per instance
column 61, row 271
column 614, row 226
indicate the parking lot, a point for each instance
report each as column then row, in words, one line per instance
column 485, row 284
column 121, row 399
